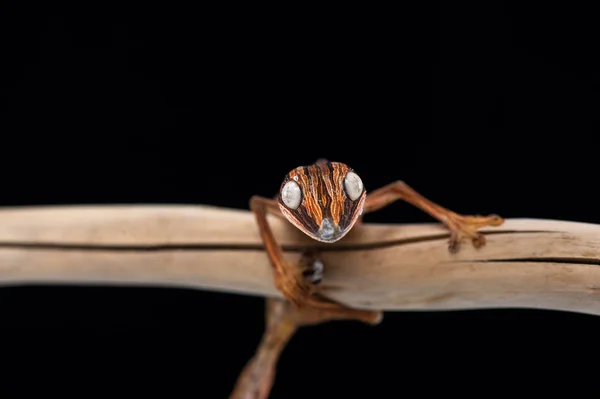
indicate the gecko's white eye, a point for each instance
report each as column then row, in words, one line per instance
column 291, row 195
column 353, row 185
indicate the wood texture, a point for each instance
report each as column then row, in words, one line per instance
column 527, row 263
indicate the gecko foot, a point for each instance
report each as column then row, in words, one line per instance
column 466, row 227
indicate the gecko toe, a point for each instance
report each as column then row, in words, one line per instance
column 479, row 241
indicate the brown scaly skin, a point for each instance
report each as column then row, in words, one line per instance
column 320, row 201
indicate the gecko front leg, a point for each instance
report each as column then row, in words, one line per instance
column 288, row 277
column 297, row 281
column 460, row 226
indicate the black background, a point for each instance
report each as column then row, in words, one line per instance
column 486, row 107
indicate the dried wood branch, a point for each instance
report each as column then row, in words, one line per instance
column 527, row 263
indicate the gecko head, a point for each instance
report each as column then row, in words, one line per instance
column 323, row 200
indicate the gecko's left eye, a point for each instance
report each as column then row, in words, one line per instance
column 291, row 195
column 353, row 185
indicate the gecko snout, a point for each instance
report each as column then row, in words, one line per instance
column 329, row 230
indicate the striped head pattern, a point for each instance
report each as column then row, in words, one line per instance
column 323, row 200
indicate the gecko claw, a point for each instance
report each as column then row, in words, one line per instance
column 479, row 240
column 453, row 244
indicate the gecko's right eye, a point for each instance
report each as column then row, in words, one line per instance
column 291, row 195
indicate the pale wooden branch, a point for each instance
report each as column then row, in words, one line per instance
column 527, row 263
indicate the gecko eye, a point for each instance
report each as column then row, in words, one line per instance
column 291, row 194
column 353, row 185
